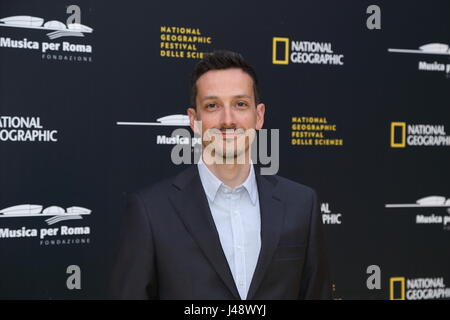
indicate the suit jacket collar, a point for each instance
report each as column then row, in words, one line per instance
column 191, row 204
column 272, row 217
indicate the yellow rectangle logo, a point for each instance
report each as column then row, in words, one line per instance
column 275, row 59
column 402, row 142
column 392, row 291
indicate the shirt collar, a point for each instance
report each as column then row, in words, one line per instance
column 211, row 183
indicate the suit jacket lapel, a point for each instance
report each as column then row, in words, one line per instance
column 191, row 204
column 272, row 217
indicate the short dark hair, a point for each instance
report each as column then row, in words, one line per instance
column 220, row 60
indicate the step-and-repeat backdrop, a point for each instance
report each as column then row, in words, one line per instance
column 358, row 89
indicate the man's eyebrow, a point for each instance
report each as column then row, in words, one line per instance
column 237, row 96
column 209, row 97
column 242, row 96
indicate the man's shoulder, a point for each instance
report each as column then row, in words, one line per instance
column 290, row 188
column 165, row 186
column 155, row 190
column 286, row 188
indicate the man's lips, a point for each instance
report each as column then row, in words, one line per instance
column 225, row 134
column 230, row 135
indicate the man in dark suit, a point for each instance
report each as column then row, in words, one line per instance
column 220, row 229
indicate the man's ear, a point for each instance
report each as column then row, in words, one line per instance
column 192, row 113
column 260, row 110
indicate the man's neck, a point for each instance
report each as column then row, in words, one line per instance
column 231, row 175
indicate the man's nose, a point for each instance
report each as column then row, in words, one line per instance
column 228, row 118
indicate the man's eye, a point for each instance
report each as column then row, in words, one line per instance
column 242, row 104
column 211, row 106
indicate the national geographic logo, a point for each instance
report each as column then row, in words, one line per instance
column 401, row 288
column 285, row 51
column 25, row 129
column 418, row 135
column 280, row 45
column 329, row 217
column 397, row 288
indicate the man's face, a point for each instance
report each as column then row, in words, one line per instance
column 225, row 104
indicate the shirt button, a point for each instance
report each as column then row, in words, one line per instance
column 241, row 284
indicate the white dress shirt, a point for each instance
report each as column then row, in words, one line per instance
column 237, row 218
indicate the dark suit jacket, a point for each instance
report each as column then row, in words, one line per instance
column 170, row 248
